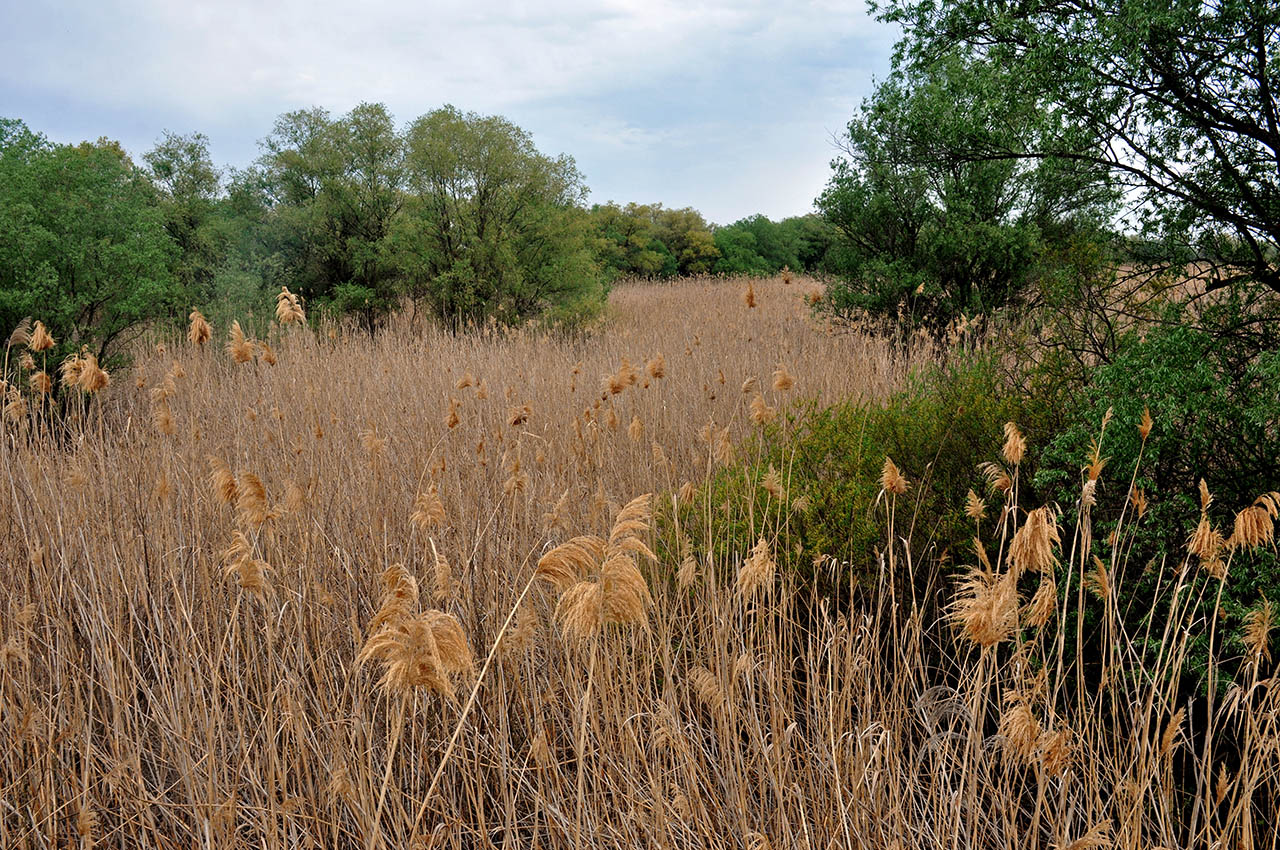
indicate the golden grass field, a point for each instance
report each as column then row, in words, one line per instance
column 327, row 602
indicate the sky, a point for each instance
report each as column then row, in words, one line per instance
column 728, row 107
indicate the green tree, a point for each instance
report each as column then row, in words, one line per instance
column 189, row 186
column 927, row 228
column 687, row 237
column 627, row 242
column 84, row 245
column 739, row 252
column 334, row 187
column 494, row 228
column 757, row 245
column 1177, row 98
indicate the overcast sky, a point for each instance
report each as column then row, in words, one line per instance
column 728, row 107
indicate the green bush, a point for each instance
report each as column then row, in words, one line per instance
column 1213, row 393
column 937, row 431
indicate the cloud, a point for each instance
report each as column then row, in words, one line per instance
column 657, row 99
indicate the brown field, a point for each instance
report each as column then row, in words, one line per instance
column 208, row 641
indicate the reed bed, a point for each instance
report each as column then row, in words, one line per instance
column 326, row 590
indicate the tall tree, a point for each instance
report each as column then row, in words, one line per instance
column 929, row 227
column 334, row 187
column 1177, row 98
column 189, row 184
column 84, row 248
column 493, row 228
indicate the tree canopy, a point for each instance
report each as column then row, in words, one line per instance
column 1175, row 99
column 928, row 229
column 85, row 248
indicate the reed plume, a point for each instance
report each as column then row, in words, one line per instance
column 41, row 339
column 198, row 332
column 757, row 570
column 239, row 346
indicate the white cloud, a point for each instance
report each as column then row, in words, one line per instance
column 614, row 83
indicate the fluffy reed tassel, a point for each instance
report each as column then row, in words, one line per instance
column 428, row 510
column 1255, row 525
column 91, row 377
column 1031, row 549
column 421, row 651
column 41, row 339
column 757, row 570
column 399, row 597
column 761, row 412
column 771, row 483
column 289, row 307
column 239, row 346
column 782, row 379
column 986, row 610
column 1015, row 446
column 199, row 332
column 571, row 562
column 21, row 334
column 974, row 508
column 891, row 480
column 222, row 481
column 599, row 581
column 69, row 371
column 251, row 501
column 1019, row 726
column 998, row 480
column 1258, row 624
column 249, row 572
column 1045, row 603
column 657, row 367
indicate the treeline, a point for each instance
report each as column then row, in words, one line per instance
column 648, row 240
column 456, row 213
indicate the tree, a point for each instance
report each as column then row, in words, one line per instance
column 493, row 228
column 627, row 242
column 929, row 231
column 85, row 248
column 687, row 236
column 1175, row 99
column 189, row 186
column 334, row 187
column 756, row 245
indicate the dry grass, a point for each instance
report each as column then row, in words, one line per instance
column 296, row 605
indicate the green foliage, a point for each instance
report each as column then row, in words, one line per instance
column 1177, row 101
column 492, row 228
column 627, row 243
column 190, row 186
column 333, row 187
column 1213, row 391
column 937, row 431
column 85, row 248
column 756, row 245
column 930, row 228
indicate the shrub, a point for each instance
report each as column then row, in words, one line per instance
column 829, row 460
column 1214, row 402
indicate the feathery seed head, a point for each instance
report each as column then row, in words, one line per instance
column 41, row 339
column 974, row 507
column 1015, row 445
column 891, row 480
column 757, row 570
column 783, row 380
column 1031, row 549
column 199, row 332
column 239, row 346
column 986, row 610
column 1258, row 624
